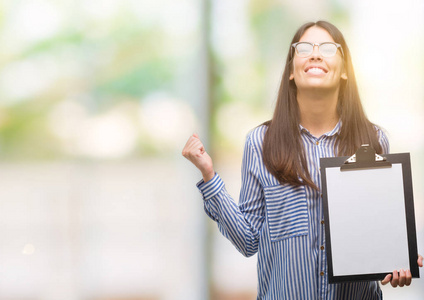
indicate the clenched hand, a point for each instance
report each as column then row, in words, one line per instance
column 195, row 152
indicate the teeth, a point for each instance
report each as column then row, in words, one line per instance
column 316, row 71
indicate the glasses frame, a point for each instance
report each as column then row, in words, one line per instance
column 318, row 44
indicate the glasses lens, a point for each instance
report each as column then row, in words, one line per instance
column 328, row 49
column 304, row 49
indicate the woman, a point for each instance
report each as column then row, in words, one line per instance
column 280, row 214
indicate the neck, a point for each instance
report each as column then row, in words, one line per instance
column 318, row 111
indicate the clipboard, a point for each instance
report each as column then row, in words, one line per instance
column 369, row 215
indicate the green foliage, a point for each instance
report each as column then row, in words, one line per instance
column 24, row 134
column 139, row 80
column 104, row 63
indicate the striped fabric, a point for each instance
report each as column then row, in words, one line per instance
column 283, row 224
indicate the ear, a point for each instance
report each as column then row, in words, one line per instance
column 344, row 76
column 291, row 76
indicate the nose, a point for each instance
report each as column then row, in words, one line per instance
column 316, row 55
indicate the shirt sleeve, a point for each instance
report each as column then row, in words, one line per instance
column 383, row 140
column 241, row 223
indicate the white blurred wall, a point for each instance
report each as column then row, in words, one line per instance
column 99, row 231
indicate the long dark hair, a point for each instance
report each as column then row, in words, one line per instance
column 283, row 152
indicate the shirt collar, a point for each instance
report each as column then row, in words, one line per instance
column 334, row 131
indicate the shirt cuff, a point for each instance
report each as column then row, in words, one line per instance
column 211, row 188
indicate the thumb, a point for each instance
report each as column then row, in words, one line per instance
column 386, row 279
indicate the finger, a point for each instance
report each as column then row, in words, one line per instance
column 188, row 145
column 408, row 277
column 420, row 260
column 395, row 279
column 196, row 135
column 193, row 146
column 194, row 143
column 386, row 279
column 197, row 149
column 193, row 139
column 402, row 278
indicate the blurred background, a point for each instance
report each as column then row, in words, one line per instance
column 97, row 99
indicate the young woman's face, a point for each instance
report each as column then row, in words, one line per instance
column 316, row 71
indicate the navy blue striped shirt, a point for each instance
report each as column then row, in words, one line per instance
column 284, row 224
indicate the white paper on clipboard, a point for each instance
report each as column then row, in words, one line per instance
column 368, row 224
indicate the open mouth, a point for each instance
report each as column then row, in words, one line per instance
column 315, row 70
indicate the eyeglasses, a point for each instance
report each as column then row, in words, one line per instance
column 327, row 49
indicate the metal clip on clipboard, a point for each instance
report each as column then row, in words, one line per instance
column 365, row 158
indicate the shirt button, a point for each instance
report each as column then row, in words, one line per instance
column 322, row 222
column 317, row 143
column 322, row 247
column 322, row 273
